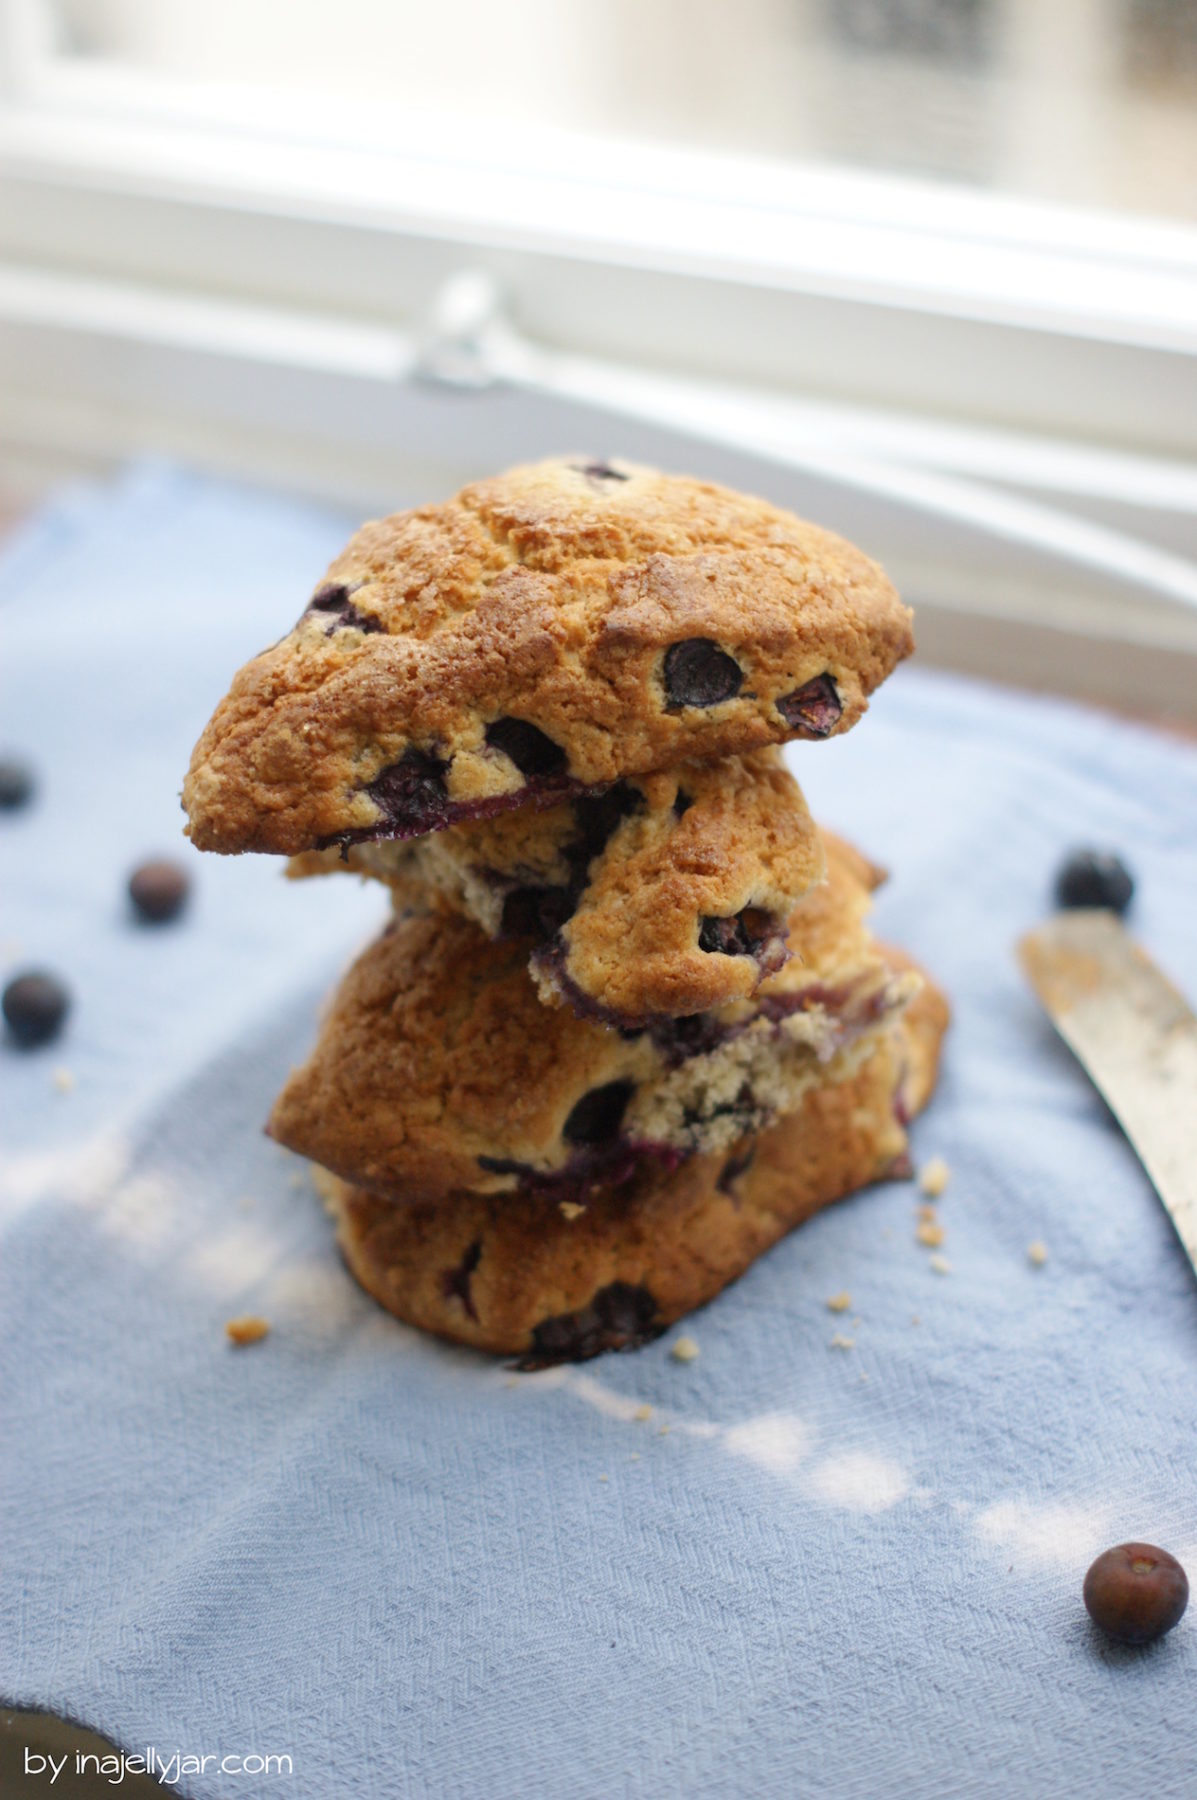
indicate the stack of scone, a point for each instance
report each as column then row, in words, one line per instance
column 626, row 1025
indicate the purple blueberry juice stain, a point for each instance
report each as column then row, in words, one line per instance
column 607, row 1166
column 455, row 1283
column 697, row 672
column 550, row 961
column 399, row 825
column 621, row 1316
column 814, row 708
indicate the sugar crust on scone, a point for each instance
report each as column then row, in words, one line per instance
column 525, row 1277
column 545, row 632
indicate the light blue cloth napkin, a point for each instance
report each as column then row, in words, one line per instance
column 812, row 1570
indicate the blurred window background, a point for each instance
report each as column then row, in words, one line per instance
column 1087, row 102
column 924, row 269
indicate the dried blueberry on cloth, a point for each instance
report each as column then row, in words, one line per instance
column 1136, row 1592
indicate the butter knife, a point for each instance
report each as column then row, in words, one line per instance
column 1135, row 1035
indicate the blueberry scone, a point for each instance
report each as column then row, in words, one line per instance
column 542, row 634
column 547, row 1282
column 438, row 1070
column 665, row 895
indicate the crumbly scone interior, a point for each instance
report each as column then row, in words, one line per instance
column 668, row 895
column 437, row 1066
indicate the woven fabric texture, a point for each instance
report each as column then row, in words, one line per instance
column 810, row 1569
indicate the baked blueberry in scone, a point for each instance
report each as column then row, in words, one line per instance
column 542, row 635
column 665, row 895
column 526, row 1276
column 438, row 1070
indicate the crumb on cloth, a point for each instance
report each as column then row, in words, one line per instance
column 684, row 1350
column 839, row 1302
column 934, row 1176
column 1037, row 1253
column 248, row 1330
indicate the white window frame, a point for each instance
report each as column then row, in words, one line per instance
column 1001, row 397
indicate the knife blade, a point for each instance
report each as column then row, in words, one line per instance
column 1136, row 1036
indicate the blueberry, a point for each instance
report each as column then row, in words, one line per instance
column 625, row 1309
column 35, row 1005
column 531, row 750
column 1095, row 878
column 598, row 1115
column 698, row 673
column 1136, row 1592
column 359, row 621
column 621, row 1316
column 814, row 708
column 456, row 1282
column 159, row 890
column 565, row 1337
column 540, row 912
column 741, row 935
column 333, row 597
column 16, row 784
column 412, row 791
column 599, row 471
column 689, row 1034
column 733, row 1169
column 535, row 912
column 336, row 599
column 597, row 818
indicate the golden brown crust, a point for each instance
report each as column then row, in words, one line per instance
column 668, row 895
column 522, row 1276
column 437, row 1068
column 550, row 595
